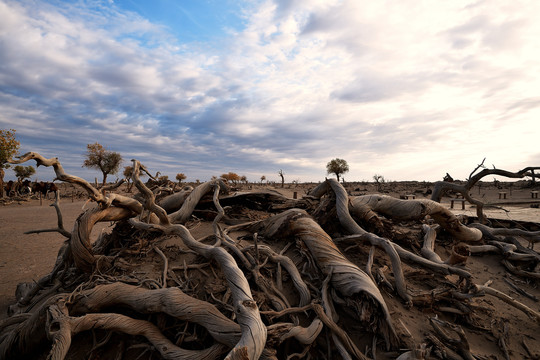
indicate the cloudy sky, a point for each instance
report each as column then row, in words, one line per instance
column 406, row 89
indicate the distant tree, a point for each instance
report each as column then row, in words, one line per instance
column 97, row 157
column 262, row 179
column 280, row 173
column 9, row 146
column 180, row 177
column 232, row 177
column 23, row 172
column 337, row 166
column 379, row 179
column 244, row 179
column 128, row 172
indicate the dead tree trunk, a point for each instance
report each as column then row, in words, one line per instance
column 441, row 187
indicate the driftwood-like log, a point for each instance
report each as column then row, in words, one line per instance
column 417, row 210
column 60, row 228
column 182, row 215
column 428, row 248
column 441, row 187
column 347, row 278
column 253, row 339
column 342, row 207
column 531, row 236
column 174, row 201
column 288, row 264
column 440, row 268
column 61, row 328
column 509, row 300
column 81, row 247
column 171, row 301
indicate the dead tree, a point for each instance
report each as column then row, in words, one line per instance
column 441, row 187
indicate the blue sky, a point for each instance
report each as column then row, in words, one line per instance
column 407, row 89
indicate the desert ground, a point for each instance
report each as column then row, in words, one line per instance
column 29, row 257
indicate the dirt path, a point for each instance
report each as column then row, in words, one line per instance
column 26, row 258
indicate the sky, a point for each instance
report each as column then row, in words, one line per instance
column 409, row 90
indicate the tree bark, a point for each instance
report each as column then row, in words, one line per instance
column 347, row 278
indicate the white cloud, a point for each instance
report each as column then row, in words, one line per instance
column 410, row 90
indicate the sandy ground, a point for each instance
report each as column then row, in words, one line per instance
column 28, row 257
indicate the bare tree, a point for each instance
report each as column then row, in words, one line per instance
column 441, row 187
column 280, row 173
column 379, row 180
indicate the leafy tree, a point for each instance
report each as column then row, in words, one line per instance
column 128, row 172
column 243, row 179
column 280, row 173
column 97, row 157
column 262, row 179
column 9, row 146
column 23, row 172
column 233, row 177
column 180, row 177
column 337, row 166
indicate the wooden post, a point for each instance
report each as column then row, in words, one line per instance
column 295, row 195
column 40, row 199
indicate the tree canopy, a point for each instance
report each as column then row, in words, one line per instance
column 9, row 146
column 23, row 172
column 180, row 177
column 337, row 166
column 98, row 157
column 231, row 176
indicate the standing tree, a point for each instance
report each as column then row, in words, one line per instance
column 232, row 177
column 379, row 180
column 23, row 172
column 180, row 177
column 98, row 157
column 262, row 179
column 280, row 173
column 337, row 166
column 9, row 147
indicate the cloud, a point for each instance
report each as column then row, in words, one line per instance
column 408, row 90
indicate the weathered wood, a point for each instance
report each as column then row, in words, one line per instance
column 347, row 278
column 171, row 301
column 417, row 210
column 342, row 206
column 61, row 328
